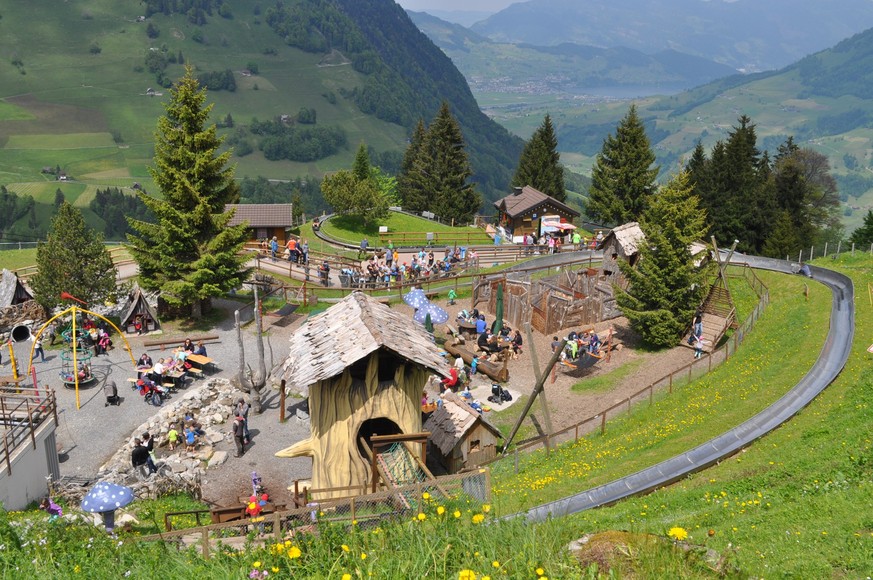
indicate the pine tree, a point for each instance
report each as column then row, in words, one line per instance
column 665, row 287
column 863, row 236
column 363, row 192
column 623, row 177
column 190, row 254
column 441, row 171
column 540, row 163
column 783, row 240
column 73, row 260
column 361, row 167
column 409, row 195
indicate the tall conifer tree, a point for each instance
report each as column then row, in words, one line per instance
column 73, row 259
column 623, row 177
column 190, row 254
column 540, row 163
column 665, row 287
column 441, row 171
column 410, row 197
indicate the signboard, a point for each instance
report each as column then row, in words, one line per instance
column 383, row 229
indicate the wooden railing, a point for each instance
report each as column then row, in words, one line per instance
column 684, row 375
column 118, row 254
column 441, row 238
column 22, row 411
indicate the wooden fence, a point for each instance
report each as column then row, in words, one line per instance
column 473, row 486
column 684, row 375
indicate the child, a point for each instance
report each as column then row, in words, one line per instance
column 172, row 436
column 190, row 438
column 452, row 296
column 474, row 364
column 53, row 510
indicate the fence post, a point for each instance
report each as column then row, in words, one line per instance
column 853, row 248
column 811, row 253
column 651, row 394
column 670, row 389
column 800, row 256
column 839, row 245
column 352, row 507
column 516, row 460
column 826, row 250
column 603, row 423
column 205, row 541
column 282, row 402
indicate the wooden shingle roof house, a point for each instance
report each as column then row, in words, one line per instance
column 265, row 219
column 364, row 367
column 460, row 437
column 522, row 211
column 12, row 289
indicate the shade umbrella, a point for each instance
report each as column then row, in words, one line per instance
column 415, row 298
column 498, row 323
column 438, row 315
column 104, row 498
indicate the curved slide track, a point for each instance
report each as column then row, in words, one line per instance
column 830, row 362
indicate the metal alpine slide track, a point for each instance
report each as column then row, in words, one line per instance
column 830, row 362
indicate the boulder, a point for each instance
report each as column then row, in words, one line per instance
column 218, row 458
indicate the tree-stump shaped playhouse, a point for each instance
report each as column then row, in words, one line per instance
column 364, row 367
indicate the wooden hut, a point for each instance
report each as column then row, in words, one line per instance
column 12, row 290
column 460, row 437
column 138, row 310
column 265, row 220
column 621, row 244
column 522, row 212
column 364, row 367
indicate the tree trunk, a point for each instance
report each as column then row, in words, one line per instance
column 197, row 309
column 253, row 385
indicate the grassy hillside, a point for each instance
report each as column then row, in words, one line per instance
column 819, row 101
column 75, row 80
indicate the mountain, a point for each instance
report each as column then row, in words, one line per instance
column 573, row 69
column 296, row 86
column 750, row 35
column 823, row 101
column 462, row 17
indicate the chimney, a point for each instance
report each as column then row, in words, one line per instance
column 516, row 190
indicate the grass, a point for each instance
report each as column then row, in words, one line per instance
column 794, row 504
column 605, row 381
column 351, row 229
column 730, row 394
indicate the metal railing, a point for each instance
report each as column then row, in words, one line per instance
column 22, row 411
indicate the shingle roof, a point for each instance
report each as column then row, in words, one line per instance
column 451, row 421
column 12, row 291
column 629, row 236
column 529, row 198
column 349, row 331
column 264, row 215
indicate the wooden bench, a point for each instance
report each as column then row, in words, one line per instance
column 196, row 372
column 180, row 341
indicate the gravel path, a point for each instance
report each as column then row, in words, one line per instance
column 91, row 435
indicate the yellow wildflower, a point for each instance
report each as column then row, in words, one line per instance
column 347, row 576
column 294, row 552
column 466, row 575
column 441, row 510
column 421, row 516
column 540, row 571
column 678, row 533
column 425, row 495
column 256, row 564
column 457, row 513
column 478, row 518
column 363, row 555
column 345, row 548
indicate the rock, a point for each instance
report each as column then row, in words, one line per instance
column 125, row 519
column 204, row 453
column 217, row 418
column 215, row 437
column 218, row 458
column 177, row 467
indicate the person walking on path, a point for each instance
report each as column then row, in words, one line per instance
column 274, row 248
column 239, row 435
column 363, row 251
column 38, row 351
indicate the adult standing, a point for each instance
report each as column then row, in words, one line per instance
column 364, row 246
column 304, row 250
column 139, row 456
column 274, row 248
column 698, row 323
column 239, row 434
column 149, row 443
column 243, row 409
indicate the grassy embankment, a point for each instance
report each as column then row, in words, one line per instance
column 797, row 502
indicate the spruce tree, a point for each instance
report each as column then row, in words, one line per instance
column 441, row 171
column 540, row 163
column 411, row 198
column 363, row 192
column 665, row 287
column 863, row 236
column 623, row 176
column 783, row 240
column 73, row 259
column 361, row 167
column 190, row 254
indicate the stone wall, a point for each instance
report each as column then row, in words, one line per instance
column 212, row 405
column 26, row 312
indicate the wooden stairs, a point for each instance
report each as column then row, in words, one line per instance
column 719, row 314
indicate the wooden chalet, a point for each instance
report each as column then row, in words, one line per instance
column 12, row 290
column 522, row 211
column 265, row 220
column 363, row 367
column 622, row 243
column 460, row 437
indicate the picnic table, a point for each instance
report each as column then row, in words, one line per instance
column 200, row 361
column 467, row 329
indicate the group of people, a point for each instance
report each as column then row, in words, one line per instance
column 577, row 343
column 296, row 251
